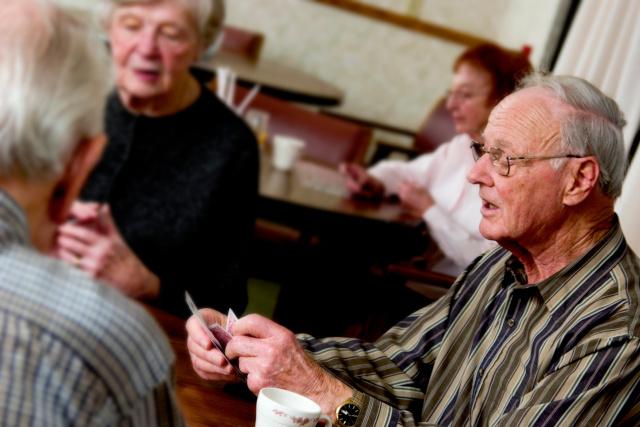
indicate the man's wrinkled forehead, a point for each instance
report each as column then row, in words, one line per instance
column 538, row 102
column 531, row 113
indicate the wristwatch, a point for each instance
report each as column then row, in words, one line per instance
column 347, row 413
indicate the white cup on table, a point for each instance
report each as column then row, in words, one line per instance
column 277, row 407
column 286, row 150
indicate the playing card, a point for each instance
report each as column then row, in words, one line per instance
column 221, row 335
column 231, row 319
column 217, row 343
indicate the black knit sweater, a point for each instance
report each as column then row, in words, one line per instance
column 182, row 191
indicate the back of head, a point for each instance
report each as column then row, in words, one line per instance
column 54, row 78
column 506, row 67
column 591, row 127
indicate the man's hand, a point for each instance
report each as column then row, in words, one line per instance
column 415, row 199
column 92, row 242
column 271, row 356
column 207, row 361
column 360, row 183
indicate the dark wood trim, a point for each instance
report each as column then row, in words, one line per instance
column 368, row 123
column 406, row 22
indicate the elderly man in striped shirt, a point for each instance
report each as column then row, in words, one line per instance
column 541, row 331
column 73, row 351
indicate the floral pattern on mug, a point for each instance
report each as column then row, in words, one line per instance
column 301, row 421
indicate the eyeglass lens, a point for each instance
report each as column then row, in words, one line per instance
column 478, row 151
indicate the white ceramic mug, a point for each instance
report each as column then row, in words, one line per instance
column 277, row 407
column 286, row 150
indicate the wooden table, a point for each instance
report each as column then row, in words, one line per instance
column 313, row 198
column 277, row 80
column 204, row 403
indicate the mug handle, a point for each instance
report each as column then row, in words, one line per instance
column 326, row 419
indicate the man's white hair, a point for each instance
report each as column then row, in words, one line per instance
column 54, row 76
column 592, row 128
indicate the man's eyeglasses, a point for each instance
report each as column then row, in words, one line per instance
column 502, row 163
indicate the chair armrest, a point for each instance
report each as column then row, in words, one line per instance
column 270, row 231
column 411, row 273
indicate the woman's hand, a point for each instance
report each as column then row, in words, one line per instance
column 360, row 183
column 92, row 242
column 415, row 199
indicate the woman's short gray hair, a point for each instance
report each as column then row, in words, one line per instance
column 592, row 128
column 209, row 16
column 54, row 78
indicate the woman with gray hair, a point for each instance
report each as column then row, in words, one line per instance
column 173, row 199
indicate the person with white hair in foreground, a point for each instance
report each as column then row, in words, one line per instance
column 74, row 351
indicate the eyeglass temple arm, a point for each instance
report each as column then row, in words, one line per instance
column 576, row 156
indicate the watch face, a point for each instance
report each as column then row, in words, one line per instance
column 348, row 414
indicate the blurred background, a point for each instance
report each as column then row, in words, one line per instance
column 393, row 58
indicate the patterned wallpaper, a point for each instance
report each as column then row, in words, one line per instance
column 388, row 74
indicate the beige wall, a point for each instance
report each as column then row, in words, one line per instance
column 389, row 75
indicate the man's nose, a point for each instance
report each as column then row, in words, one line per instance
column 480, row 173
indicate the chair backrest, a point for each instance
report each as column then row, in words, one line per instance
column 329, row 140
column 437, row 128
column 242, row 42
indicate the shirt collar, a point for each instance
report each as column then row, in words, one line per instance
column 13, row 221
column 514, row 272
column 553, row 290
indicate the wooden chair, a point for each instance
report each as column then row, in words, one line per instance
column 417, row 273
column 242, row 42
column 437, row 128
column 428, row 283
column 329, row 140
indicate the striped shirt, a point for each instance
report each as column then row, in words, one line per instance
column 496, row 351
column 74, row 352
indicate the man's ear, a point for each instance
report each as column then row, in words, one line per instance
column 584, row 173
column 82, row 161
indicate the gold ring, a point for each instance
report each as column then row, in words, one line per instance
column 77, row 261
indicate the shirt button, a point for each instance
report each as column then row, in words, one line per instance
column 511, row 322
column 480, row 372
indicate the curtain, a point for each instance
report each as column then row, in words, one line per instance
column 628, row 206
column 603, row 47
